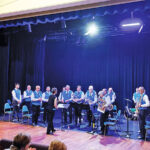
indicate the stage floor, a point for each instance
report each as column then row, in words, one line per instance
column 75, row 140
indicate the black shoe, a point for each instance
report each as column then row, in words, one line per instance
column 54, row 130
column 51, row 133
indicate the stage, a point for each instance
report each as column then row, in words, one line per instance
column 73, row 139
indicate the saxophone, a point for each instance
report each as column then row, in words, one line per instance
column 138, row 105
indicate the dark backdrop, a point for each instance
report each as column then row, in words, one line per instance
column 121, row 62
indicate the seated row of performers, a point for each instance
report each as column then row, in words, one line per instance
column 34, row 99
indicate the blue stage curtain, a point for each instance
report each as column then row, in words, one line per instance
column 121, row 62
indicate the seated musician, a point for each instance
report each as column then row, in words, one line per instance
column 78, row 100
column 143, row 110
column 91, row 99
column 112, row 96
column 105, row 100
column 67, row 97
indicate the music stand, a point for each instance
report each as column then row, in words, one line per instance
column 128, row 114
column 62, row 107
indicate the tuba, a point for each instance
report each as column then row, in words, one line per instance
column 101, row 106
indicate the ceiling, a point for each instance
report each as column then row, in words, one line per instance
column 15, row 9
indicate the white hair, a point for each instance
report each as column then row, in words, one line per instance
column 91, row 87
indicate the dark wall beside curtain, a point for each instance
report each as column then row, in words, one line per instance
column 121, row 62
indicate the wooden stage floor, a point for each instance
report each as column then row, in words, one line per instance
column 75, row 140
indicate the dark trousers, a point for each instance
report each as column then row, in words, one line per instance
column 35, row 113
column 15, row 111
column 111, row 113
column 103, row 118
column 70, row 113
column 45, row 111
column 50, row 116
column 28, row 104
column 90, row 116
column 78, row 109
column 142, row 121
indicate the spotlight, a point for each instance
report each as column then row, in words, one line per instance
column 92, row 29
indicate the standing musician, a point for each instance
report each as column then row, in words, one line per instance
column 27, row 97
column 36, row 99
column 143, row 107
column 112, row 96
column 61, row 94
column 45, row 97
column 91, row 99
column 16, row 96
column 78, row 100
column 51, row 107
column 105, row 99
column 136, row 96
column 67, row 97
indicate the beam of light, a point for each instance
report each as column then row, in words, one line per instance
column 92, row 29
column 131, row 24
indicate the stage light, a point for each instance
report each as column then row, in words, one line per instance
column 131, row 24
column 92, row 29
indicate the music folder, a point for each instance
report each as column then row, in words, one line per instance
column 63, row 106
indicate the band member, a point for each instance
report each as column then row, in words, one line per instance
column 51, row 107
column 112, row 96
column 136, row 96
column 143, row 107
column 104, row 98
column 67, row 97
column 16, row 96
column 91, row 98
column 27, row 97
column 36, row 99
column 78, row 99
column 61, row 94
column 45, row 97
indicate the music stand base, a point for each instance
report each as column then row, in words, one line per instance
column 127, row 136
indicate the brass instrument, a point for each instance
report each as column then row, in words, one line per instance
column 101, row 106
column 137, row 106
